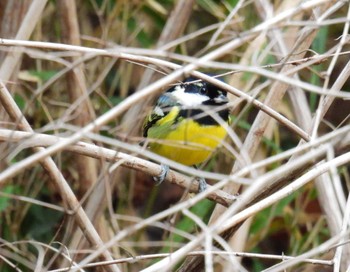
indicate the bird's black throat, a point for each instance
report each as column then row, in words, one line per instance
column 205, row 118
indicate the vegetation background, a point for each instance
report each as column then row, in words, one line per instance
column 77, row 79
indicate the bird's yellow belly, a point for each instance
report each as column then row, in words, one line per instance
column 190, row 143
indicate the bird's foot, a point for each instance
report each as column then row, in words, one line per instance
column 160, row 178
column 202, row 185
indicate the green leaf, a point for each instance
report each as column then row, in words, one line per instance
column 232, row 3
column 20, row 101
column 43, row 75
column 40, row 223
column 4, row 201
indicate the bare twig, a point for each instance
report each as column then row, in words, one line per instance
column 174, row 27
column 77, row 89
column 198, row 253
column 49, row 165
column 86, row 149
column 227, row 222
column 290, row 173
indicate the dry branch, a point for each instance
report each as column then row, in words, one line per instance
column 33, row 140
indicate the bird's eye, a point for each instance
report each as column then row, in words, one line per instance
column 203, row 90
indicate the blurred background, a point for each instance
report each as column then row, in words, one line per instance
column 61, row 91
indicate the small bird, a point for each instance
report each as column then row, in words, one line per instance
column 186, row 124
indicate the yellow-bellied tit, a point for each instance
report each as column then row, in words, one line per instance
column 186, row 124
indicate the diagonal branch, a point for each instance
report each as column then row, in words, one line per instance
column 34, row 140
column 56, row 176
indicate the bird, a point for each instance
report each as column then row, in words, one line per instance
column 187, row 124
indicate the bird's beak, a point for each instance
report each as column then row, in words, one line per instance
column 221, row 99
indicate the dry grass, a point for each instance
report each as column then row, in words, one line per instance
column 77, row 79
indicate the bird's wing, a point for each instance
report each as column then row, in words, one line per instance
column 162, row 115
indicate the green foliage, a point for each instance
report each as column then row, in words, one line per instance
column 262, row 221
column 20, row 101
column 203, row 210
column 319, row 46
column 43, row 75
column 41, row 223
column 144, row 38
column 230, row 3
column 242, row 124
column 5, row 201
column 139, row 24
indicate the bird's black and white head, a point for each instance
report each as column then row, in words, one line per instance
column 194, row 98
column 193, row 93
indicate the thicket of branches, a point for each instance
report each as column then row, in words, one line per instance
column 77, row 79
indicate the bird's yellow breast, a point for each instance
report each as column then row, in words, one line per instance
column 187, row 141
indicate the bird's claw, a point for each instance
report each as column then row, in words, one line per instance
column 202, row 185
column 161, row 177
